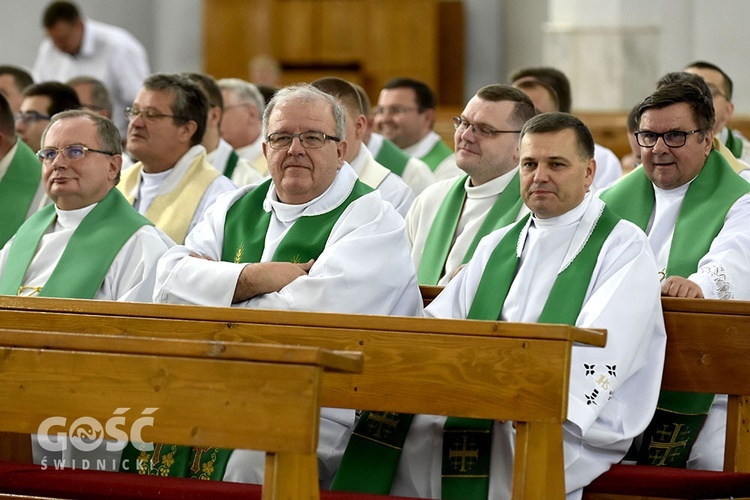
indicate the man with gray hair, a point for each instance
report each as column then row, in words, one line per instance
column 242, row 121
column 312, row 238
column 173, row 184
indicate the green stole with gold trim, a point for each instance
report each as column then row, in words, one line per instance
column 440, row 237
column 438, row 153
column 680, row 415
column 392, row 157
column 734, row 144
column 371, row 458
column 245, row 231
column 17, row 189
column 94, row 245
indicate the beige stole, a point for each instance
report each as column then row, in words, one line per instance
column 172, row 212
column 260, row 164
column 736, row 165
column 373, row 173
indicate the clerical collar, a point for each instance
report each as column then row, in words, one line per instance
column 489, row 188
column 677, row 192
column 67, row 219
column 569, row 217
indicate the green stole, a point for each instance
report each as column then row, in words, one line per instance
column 392, row 157
column 17, row 189
column 231, row 164
column 245, row 231
column 679, row 415
column 440, row 237
column 734, row 144
column 437, row 154
column 94, row 245
column 371, row 459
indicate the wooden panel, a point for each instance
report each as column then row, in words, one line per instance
column 293, row 31
column 340, row 27
column 451, row 53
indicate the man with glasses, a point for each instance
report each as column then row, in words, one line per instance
column 21, row 188
column 40, row 102
column 696, row 212
column 405, row 114
column 173, row 184
column 721, row 91
column 449, row 218
column 90, row 244
column 241, row 122
column 311, row 238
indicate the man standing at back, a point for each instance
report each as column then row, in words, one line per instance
column 76, row 46
column 449, row 218
column 172, row 184
column 572, row 261
column 696, row 212
column 405, row 114
column 21, row 188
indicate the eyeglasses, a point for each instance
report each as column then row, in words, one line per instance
column 29, row 117
column 482, row 131
column 74, row 152
column 393, row 110
column 146, row 115
column 309, row 140
column 715, row 91
column 673, row 138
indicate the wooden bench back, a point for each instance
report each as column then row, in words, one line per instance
column 502, row 371
column 199, row 393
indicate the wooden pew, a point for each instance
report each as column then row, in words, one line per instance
column 204, row 392
column 708, row 342
column 494, row 370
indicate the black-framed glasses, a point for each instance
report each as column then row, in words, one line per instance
column 145, row 114
column 29, row 117
column 72, row 152
column 309, row 140
column 482, row 131
column 673, row 138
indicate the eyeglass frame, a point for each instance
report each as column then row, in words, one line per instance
column 65, row 155
column 36, row 116
column 663, row 137
column 487, row 133
column 395, row 110
column 130, row 113
column 299, row 136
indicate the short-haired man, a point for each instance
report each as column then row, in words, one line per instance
column 405, row 114
column 173, row 184
column 13, row 81
column 77, row 46
column 415, row 173
column 242, row 123
column 93, row 94
column 40, row 102
column 389, row 185
column 219, row 152
column 572, row 261
column 449, row 218
column 722, row 90
column 311, row 238
column 90, row 244
column 21, row 188
column 549, row 89
column 696, row 212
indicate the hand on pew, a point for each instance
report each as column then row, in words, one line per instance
column 675, row 286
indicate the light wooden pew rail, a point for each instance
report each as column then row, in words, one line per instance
column 479, row 369
column 204, row 392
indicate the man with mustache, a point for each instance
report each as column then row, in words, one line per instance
column 448, row 219
column 173, row 184
column 311, row 238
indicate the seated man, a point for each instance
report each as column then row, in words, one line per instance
column 571, row 262
column 173, row 184
column 405, row 114
column 449, row 218
column 311, row 238
column 21, row 188
column 91, row 244
column 41, row 101
column 13, row 81
column 696, row 212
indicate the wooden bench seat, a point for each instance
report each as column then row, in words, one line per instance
column 494, row 370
